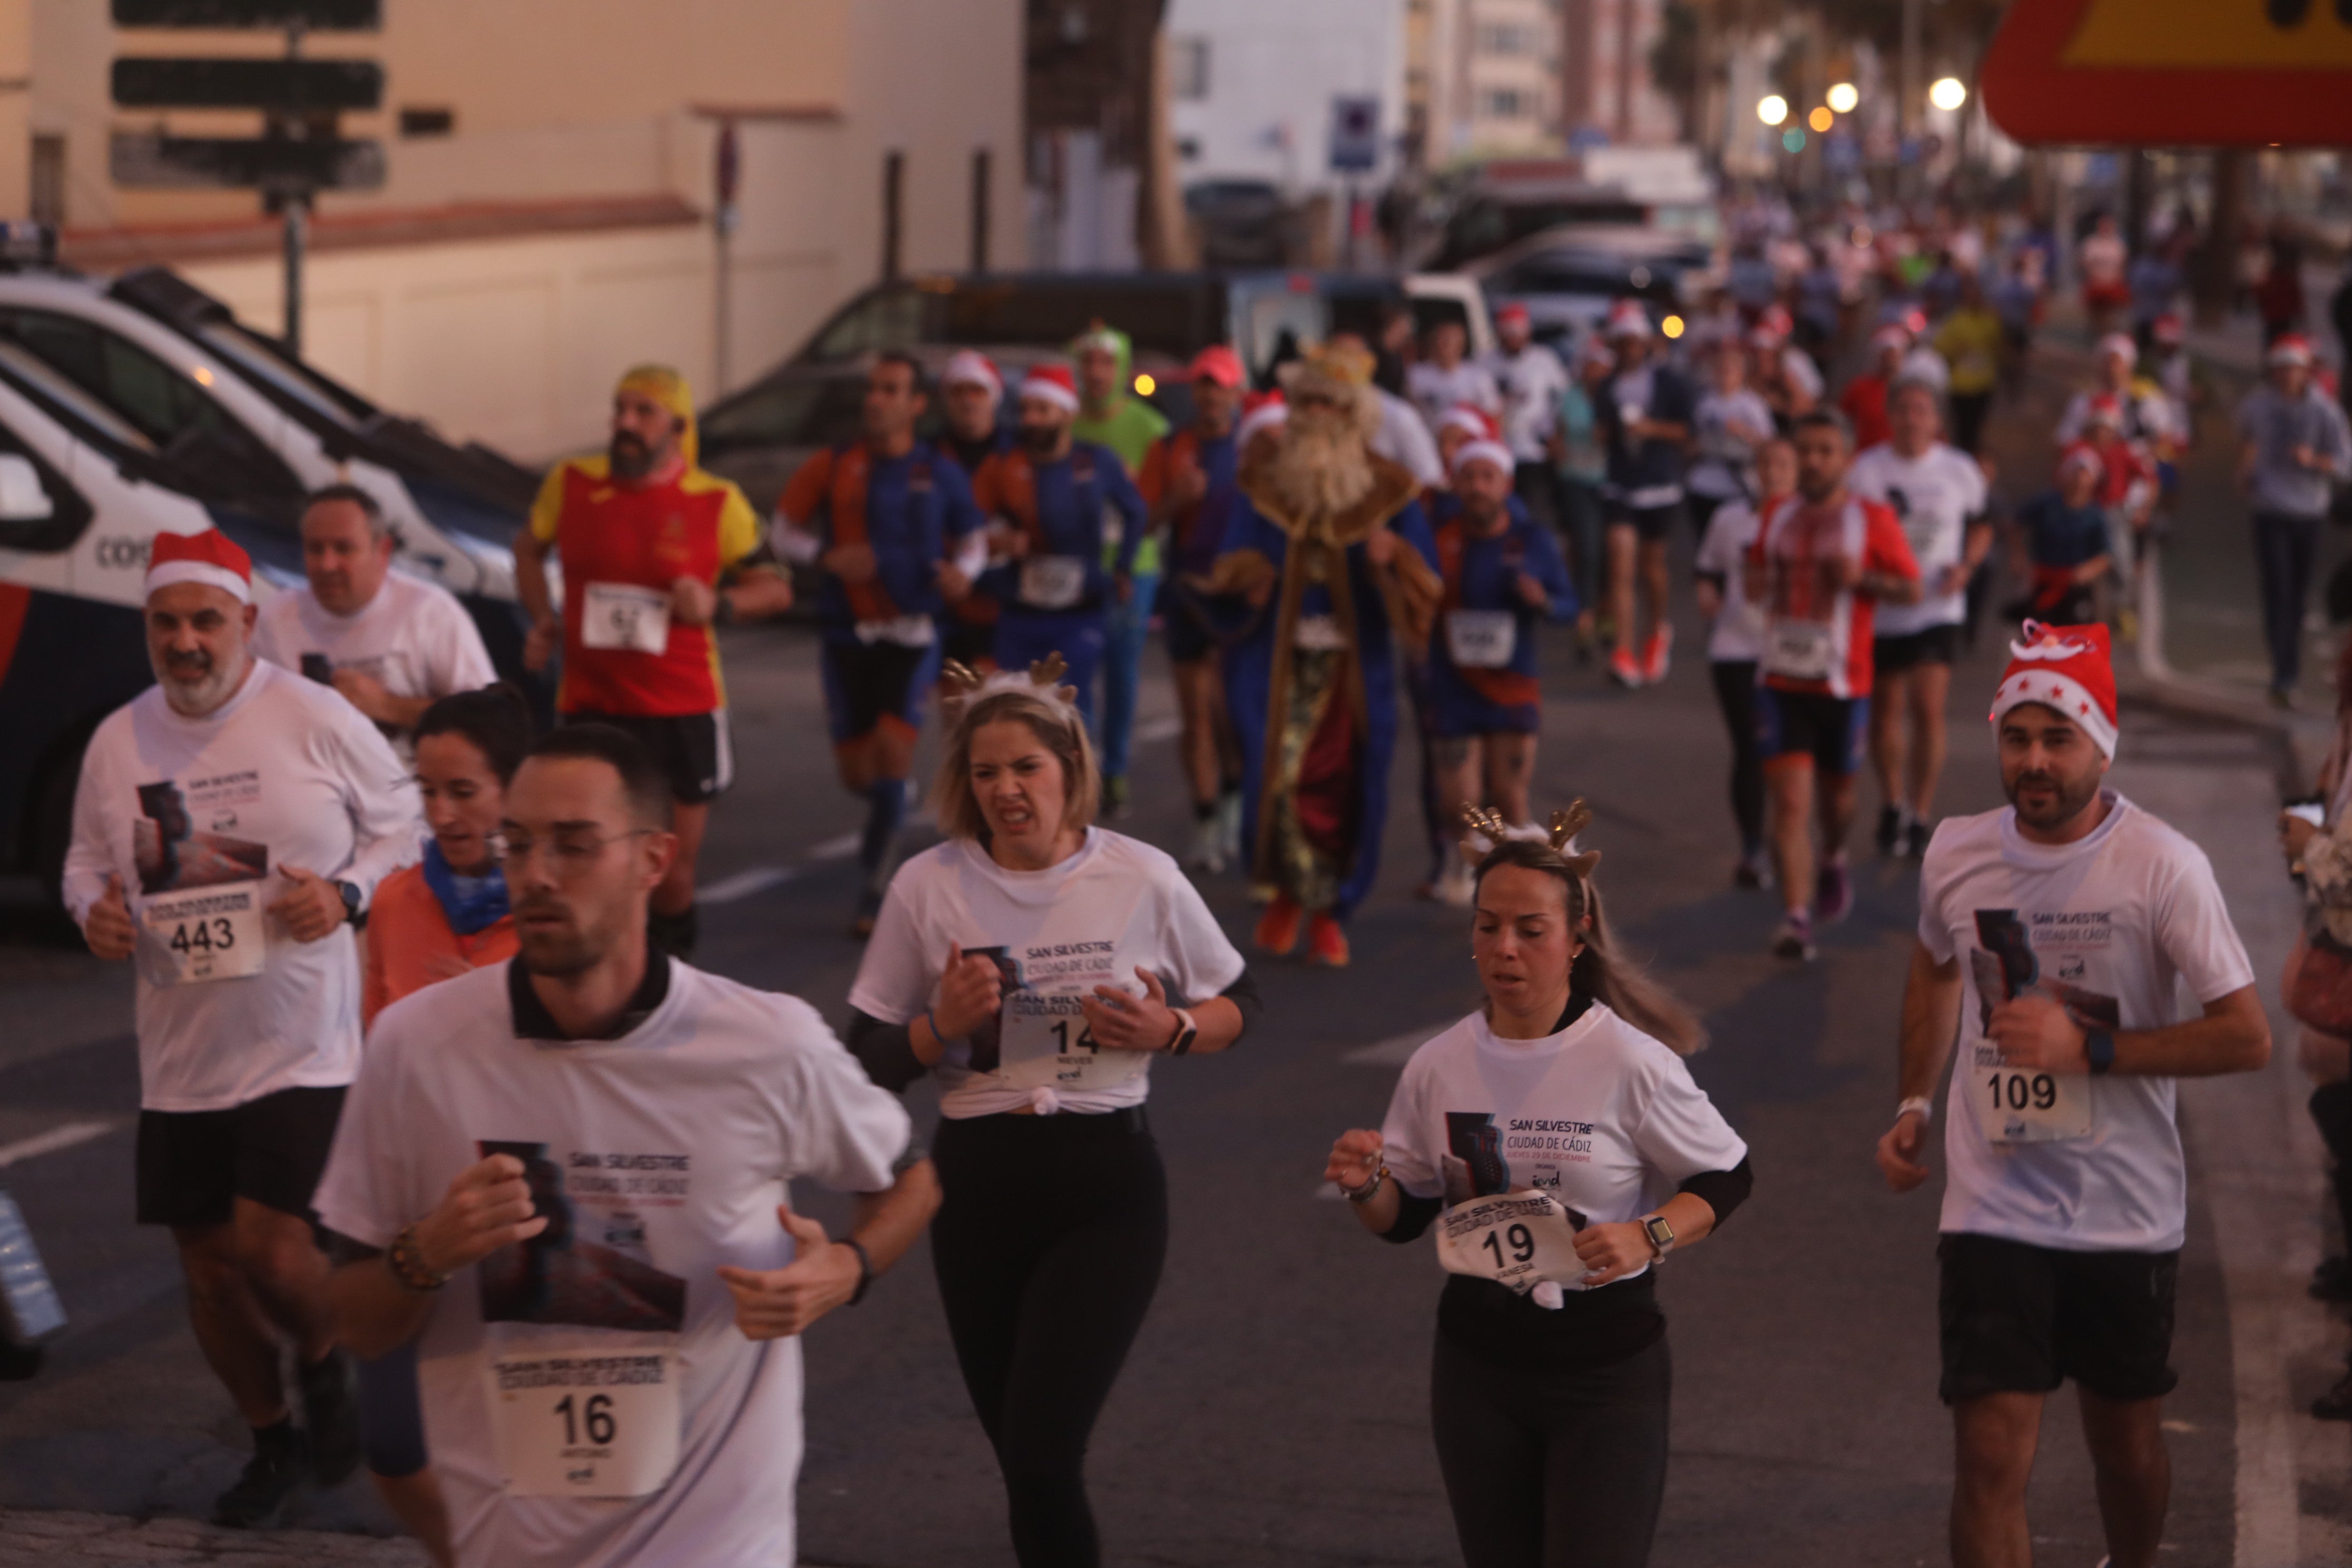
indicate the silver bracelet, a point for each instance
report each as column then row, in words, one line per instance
column 1364, row 1193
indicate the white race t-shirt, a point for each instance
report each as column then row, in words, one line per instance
column 1721, row 468
column 1738, row 631
column 1934, row 495
column 197, row 816
column 2113, row 926
column 662, row 1155
column 1114, row 906
column 1436, row 392
column 1531, row 381
column 413, row 636
column 1601, row 1118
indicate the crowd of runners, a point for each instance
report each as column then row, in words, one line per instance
column 417, row 980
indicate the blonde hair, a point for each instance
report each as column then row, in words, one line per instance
column 1058, row 727
column 1599, row 973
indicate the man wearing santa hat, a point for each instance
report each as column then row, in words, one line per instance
column 972, row 401
column 1046, row 500
column 231, row 825
column 1531, row 380
column 2053, row 938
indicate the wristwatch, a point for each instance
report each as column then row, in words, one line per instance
column 1187, row 1031
column 351, row 893
column 1661, row 1234
column 2100, row 1047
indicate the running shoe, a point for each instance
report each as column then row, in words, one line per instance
column 1114, row 798
column 1229, row 824
column 1658, row 654
column 1794, row 939
column 1456, row 885
column 1915, row 835
column 1624, row 670
column 279, row 1466
column 1832, row 892
column 1278, row 929
column 1327, row 941
column 1754, row 870
column 1207, row 856
column 1890, row 830
column 330, row 1412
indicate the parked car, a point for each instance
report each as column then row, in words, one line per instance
column 1567, row 276
column 1240, row 223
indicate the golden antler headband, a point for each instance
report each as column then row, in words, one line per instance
column 1485, row 830
column 965, row 684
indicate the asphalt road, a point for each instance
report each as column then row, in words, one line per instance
column 1275, row 1408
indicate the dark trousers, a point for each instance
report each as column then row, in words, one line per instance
column 1735, row 692
column 1048, row 1246
column 2331, row 1108
column 1552, row 1469
column 1969, row 411
column 2285, row 547
column 1538, row 487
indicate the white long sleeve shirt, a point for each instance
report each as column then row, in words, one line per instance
column 198, row 818
column 413, row 636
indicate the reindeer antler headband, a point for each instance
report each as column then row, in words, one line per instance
column 965, row 686
column 1485, row 830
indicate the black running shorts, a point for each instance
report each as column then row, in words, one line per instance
column 696, row 752
column 194, row 1164
column 2022, row 1318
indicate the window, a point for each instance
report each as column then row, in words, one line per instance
column 49, row 189
column 1505, row 39
column 1188, row 68
column 1506, row 103
column 427, row 121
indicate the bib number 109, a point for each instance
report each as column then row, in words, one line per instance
column 1522, row 1244
column 2017, row 1105
column 2022, row 1091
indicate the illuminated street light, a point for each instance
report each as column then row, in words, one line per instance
column 1793, row 140
column 1672, row 326
column 1772, row 109
column 1948, row 93
column 1820, row 120
column 1843, row 97
column 1145, row 387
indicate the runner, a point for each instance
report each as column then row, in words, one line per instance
column 1822, row 561
column 1583, row 479
column 1049, row 500
column 1109, row 417
column 1549, row 1396
column 1938, row 494
column 389, row 642
column 1444, row 378
column 1735, row 642
column 2055, row 935
column 2101, row 256
column 891, row 524
column 1503, row 575
column 433, row 922
column 1645, row 408
column 1333, row 539
column 1864, row 401
column 2061, row 545
column 1531, row 379
column 656, row 553
column 1035, row 963
column 1784, row 374
column 232, row 822
column 2294, row 447
column 597, row 1386
column 1440, row 826
column 1729, row 423
column 1188, row 482
column 1970, row 339
column 971, row 394
column 1404, row 437
column 2142, row 413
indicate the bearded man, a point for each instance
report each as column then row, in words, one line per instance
column 1330, row 545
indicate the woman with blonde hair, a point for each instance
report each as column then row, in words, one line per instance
column 1556, row 1140
column 1035, row 964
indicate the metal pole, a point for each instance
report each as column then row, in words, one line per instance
column 1906, row 109
column 297, row 212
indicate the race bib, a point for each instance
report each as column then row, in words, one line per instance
column 1518, row 1240
column 585, row 1422
column 623, row 615
column 2017, row 1105
column 1800, row 650
column 1053, row 581
column 903, row 631
column 215, row 934
column 1046, row 1044
column 1481, row 640
column 1320, row 634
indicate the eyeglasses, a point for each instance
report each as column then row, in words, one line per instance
column 572, row 852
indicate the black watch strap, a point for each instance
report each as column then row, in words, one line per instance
column 2100, row 1047
column 865, row 1268
column 351, row 893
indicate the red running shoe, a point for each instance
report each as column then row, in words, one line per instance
column 1657, row 654
column 1278, row 929
column 1326, row 941
column 1624, row 670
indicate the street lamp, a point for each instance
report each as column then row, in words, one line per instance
column 1843, row 97
column 1948, row 93
column 1772, row 109
column 1820, row 120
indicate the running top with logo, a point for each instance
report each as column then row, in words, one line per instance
column 413, row 636
column 1437, row 392
column 657, row 1157
column 1488, row 632
column 622, row 549
column 1936, row 495
column 1647, row 473
column 2112, row 926
column 1601, row 1117
column 198, row 816
column 1198, row 531
column 911, row 511
column 1817, row 634
column 1116, row 906
column 1531, row 381
column 1070, row 509
column 1737, row 636
column 1725, row 466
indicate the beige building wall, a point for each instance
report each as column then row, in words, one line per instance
column 16, row 107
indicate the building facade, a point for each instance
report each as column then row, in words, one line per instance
column 1252, row 84
column 1489, row 77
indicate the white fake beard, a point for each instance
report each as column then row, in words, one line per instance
column 1320, row 466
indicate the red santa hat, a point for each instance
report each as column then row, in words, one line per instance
column 1514, row 312
column 1470, row 420
column 2167, row 329
column 1261, row 411
column 970, row 367
column 1893, row 335
column 212, row 558
column 1052, row 384
column 1775, row 321
column 2066, row 669
column 2289, row 348
column 1484, row 451
column 2119, row 345
column 1627, row 319
column 2081, row 455
column 2104, row 409
column 1218, row 364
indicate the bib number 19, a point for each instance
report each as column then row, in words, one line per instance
column 1522, row 1240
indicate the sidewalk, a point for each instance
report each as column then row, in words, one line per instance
column 42, row 1539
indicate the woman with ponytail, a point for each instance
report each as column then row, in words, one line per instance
column 1557, row 1142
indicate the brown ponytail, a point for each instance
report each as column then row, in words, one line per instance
column 1599, row 973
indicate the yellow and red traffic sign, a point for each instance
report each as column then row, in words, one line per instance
column 2173, row 73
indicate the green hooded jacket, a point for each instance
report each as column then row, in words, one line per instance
column 1129, row 429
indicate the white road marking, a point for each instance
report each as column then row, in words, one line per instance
column 55, row 1139
column 1150, row 730
column 840, row 849
column 744, row 884
column 1394, row 1051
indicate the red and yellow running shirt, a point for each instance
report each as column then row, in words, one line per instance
column 621, row 550
column 1817, row 634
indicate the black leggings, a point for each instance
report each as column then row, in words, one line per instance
column 1552, row 1469
column 1735, row 690
column 1048, row 1246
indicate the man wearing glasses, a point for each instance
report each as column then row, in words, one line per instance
column 567, row 1178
